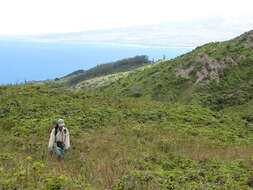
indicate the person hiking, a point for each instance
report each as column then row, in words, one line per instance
column 59, row 141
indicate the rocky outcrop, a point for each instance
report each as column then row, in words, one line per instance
column 211, row 62
column 249, row 40
column 184, row 73
column 229, row 61
column 207, row 67
column 202, row 75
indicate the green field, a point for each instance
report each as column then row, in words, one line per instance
column 185, row 123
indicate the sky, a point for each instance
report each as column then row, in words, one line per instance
column 26, row 17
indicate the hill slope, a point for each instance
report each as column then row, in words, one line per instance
column 218, row 74
column 119, row 143
column 197, row 136
column 72, row 79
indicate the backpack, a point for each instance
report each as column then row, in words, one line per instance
column 59, row 144
column 56, row 130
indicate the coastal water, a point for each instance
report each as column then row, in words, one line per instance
column 33, row 61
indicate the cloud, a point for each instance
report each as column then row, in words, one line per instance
column 59, row 16
column 170, row 34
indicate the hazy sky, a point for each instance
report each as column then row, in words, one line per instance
column 56, row 16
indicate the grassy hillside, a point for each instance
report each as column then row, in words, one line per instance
column 73, row 79
column 218, row 74
column 119, row 143
column 179, row 124
column 98, row 83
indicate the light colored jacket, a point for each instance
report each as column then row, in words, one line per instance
column 60, row 136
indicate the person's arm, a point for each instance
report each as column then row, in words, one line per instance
column 67, row 141
column 51, row 140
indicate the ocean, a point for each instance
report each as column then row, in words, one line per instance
column 34, row 61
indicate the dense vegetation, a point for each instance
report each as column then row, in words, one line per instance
column 179, row 124
column 119, row 143
column 123, row 65
column 222, row 69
